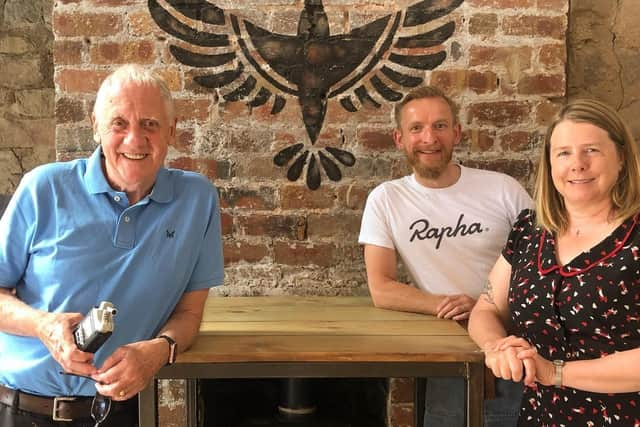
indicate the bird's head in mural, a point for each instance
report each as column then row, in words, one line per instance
column 312, row 65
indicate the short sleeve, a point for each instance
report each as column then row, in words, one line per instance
column 375, row 229
column 17, row 227
column 523, row 227
column 209, row 269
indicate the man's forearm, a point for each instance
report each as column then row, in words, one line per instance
column 18, row 318
column 398, row 296
column 184, row 324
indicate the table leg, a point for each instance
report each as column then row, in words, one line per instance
column 475, row 394
column 148, row 406
column 191, row 394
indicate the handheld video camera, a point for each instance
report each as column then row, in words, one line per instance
column 95, row 328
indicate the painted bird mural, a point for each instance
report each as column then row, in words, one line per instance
column 311, row 66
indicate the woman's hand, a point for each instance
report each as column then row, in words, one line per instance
column 501, row 356
column 545, row 371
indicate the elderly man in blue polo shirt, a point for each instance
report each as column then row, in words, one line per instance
column 115, row 227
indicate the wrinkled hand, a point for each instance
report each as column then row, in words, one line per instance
column 55, row 330
column 456, row 307
column 511, row 358
column 545, row 371
column 128, row 370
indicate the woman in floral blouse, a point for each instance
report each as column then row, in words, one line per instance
column 567, row 286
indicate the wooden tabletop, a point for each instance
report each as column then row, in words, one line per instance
column 319, row 329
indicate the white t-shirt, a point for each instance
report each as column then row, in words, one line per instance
column 448, row 238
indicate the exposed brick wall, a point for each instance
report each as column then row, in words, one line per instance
column 505, row 64
column 509, row 82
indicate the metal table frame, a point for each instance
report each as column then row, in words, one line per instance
column 473, row 372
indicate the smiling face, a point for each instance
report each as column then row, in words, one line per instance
column 427, row 134
column 134, row 128
column 585, row 164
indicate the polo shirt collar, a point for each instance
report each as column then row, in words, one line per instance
column 96, row 182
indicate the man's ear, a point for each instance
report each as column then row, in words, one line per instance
column 397, row 138
column 94, row 126
column 173, row 132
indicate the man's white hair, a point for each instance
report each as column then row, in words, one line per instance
column 133, row 73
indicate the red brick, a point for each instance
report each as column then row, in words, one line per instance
column 210, row 168
column 184, row 140
column 192, row 109
column 535, row 26
column 553, row 55
column 320, row 254
column 291, row 227
column 226, row 223
column 542, row 84
column 478, row 140
column 517, row 141
column 69, row 110
column 546, row 111
column 402, row 390
column 353, row 196
column 454, row 82
column 501, row 4
column 110, row 3
column 241, row 251
column 377, row 140
column 171, row 77
column 83, row 81
column 499, row 113
column 299, row 197
column 173, row 414
column 74, row 24
column 245, row 198
column 559, row 6
column 401, row 415
column 500, row 56
column 334, row 224
column 366, row 113
column 483, row 24
column 291, row 112
column 141, row 24
column 329, row 136
column 140, row 52
column 260, row 168
column 67, row 52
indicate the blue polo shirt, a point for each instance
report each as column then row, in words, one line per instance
column 69, row 241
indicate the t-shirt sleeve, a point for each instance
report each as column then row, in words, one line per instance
column 522, row 227
column 209, row 269
column 374, row 229
column 517, row 199
column 17, row 227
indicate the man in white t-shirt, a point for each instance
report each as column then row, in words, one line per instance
column 448, row 223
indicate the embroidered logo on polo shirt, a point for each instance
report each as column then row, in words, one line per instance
column 170, row 233
column 422, row 230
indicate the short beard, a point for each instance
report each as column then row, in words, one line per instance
column 427, row 172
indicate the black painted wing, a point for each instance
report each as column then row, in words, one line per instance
column 211, row 27
column 388, row 63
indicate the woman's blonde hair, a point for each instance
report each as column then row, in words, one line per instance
column 625, row 195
